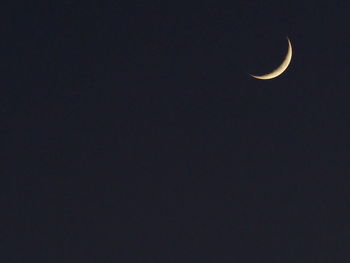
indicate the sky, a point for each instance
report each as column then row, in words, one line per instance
column 132, row 132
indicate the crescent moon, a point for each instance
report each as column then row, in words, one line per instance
column 278, row 71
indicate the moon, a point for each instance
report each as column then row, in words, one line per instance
column 278, row 71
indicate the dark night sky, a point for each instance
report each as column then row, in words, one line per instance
column 134, row 133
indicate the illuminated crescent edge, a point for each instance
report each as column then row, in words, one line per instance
column 278, row 71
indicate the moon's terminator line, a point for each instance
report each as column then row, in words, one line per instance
column 278, row 71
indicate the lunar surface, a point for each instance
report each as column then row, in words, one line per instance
column 278, row 71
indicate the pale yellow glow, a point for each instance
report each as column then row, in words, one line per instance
column 278, row 71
